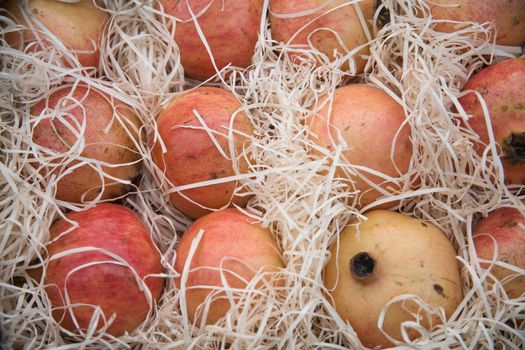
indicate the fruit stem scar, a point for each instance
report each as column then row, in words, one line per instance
column 514, row 148
column 362, row 266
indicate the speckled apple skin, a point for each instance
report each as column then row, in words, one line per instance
column 113, row 145
column 79, row 26
column 368, row 120
column 231, row 29
column 114, row 288
column 508, row 16
column 502, row 86
column 343, row 21
column 412, row 257
column 506, row 227
column 227, row 234
column 192, row 156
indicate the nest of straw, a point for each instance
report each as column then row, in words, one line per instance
column 422, row 69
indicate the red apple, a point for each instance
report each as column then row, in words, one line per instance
column 502, row 86
column 192, row 156
column 504, row 227
column 105, row 138
column 232, row 240
column 231, row 29
column 109, row 285
column 79, row 25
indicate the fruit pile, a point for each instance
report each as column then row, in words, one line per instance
column 262, row 174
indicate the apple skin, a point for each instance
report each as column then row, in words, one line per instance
column 227, row 234
column 79, row 26
column 114, row 146
column 114, row 288
column 506, row 14
column 192, row 156
column 502, row 85
column 368, row 119
column 344, row 21
column 505, row 226
column 411, row 257
column 231, row 29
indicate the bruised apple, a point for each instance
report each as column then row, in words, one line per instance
column 502, row 86
column 79, row 25
column 391, row 254
column 504, row 227
column 336, row 25
column 506, row 15
column 110, row 135
column 231, row 29
column 368, row 120
column 192, row 156
column 107, row 261
column 232, row 241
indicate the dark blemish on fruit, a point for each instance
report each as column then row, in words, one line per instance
column 362, row 266
column 398, row 283
column 421, row 264
column 510, row 223
column 213, row 175
column 519, row 106
column 106, row 151
column 439, row 289
column 191, row 157
column 504, row 108
column 124, row 240
column 514, row 148
column 423, row 224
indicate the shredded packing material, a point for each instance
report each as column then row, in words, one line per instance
column 296, row 191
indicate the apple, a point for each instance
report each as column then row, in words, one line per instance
column 502, row 86
column 368, row 120
column 105, row 137
column 387, row 255
column 79, row 25
column 344, row 21
column 504, row 227
column 231, row 29
column 193, row 157
column 94, row 278
column 231, row 240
